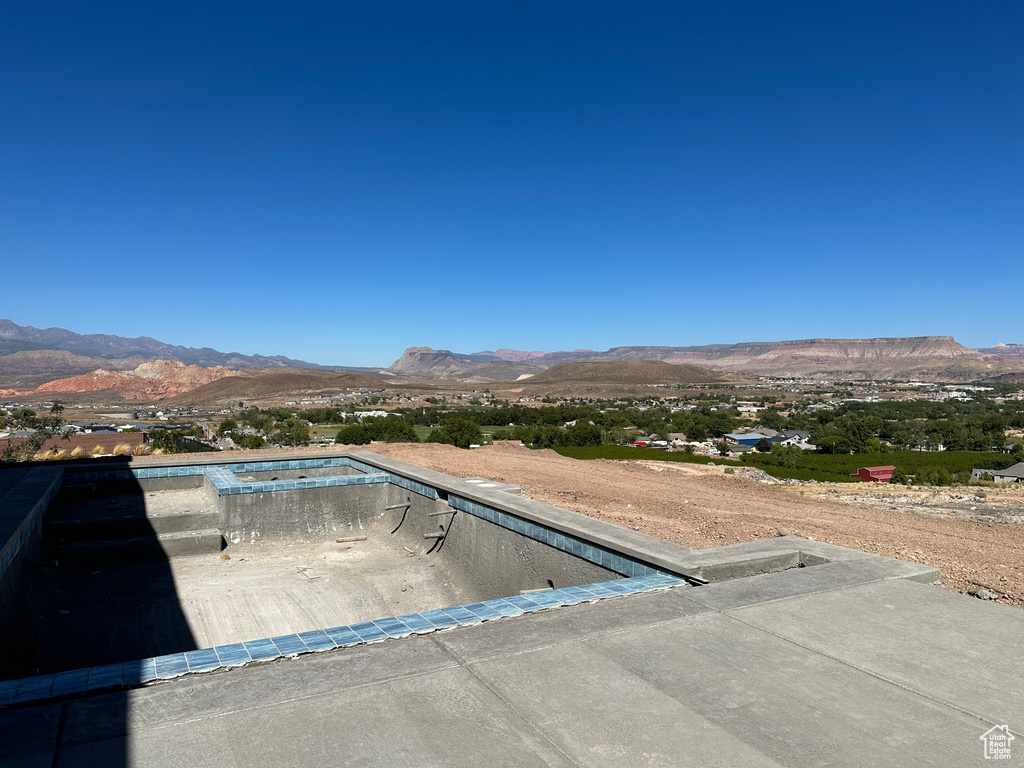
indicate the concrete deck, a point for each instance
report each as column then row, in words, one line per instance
column 885, row 673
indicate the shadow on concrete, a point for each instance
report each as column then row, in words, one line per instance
column 98, row 589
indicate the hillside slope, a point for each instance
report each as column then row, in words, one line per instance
column 631, row 372
column 274, row 384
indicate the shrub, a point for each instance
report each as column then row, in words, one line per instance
column 461, row 433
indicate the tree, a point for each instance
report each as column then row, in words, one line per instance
column 698, row 432
column 772, row 419
column 228, row 425
column 163, row 441
column 354, row 434
column 764, row 445
column 461, row 433
column 583, row 434
column 292, row 432
column 786, row 455
column 46, row 428
column 723, row 448
column 249, row 441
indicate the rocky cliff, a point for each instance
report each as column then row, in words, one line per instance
column 156, row 380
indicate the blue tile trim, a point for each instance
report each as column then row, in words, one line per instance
column 613, row 561
column 76, row 475
column 230, row 655
column 261, row 650
column 171, row 665
column 289, row 645
column 202, row 660
column 226, row 482
column 7, row 690
column 412, row 485
column 130, row 673
column 25, row 494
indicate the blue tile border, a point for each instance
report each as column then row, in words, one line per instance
column 143, row 671
column 75, row 475
column 605, row 558
column 25, row 494
column 226, row 482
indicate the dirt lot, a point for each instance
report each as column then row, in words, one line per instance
column 701, row 507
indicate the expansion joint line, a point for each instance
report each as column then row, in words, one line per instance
column 865, row 670
column 463, row 664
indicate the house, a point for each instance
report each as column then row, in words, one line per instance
column 1014, row 474
column 796, row 437
column 746, row 438
column 875, row 474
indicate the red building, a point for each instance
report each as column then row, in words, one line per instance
column 875, row 474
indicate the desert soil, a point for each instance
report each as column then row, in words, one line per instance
column 702, row 507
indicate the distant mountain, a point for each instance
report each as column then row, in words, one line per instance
column 1015, row 350
column 56, row 351
column 513, row 355
column 928, row 357
column 443, row 363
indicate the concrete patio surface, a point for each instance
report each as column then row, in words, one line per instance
column 885, row 673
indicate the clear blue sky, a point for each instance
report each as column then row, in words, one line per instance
column 336, row 182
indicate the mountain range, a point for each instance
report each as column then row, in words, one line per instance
column 928, row 357
column 31, row 356
column 38, row 353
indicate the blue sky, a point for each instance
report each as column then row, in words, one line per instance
column 336, row 182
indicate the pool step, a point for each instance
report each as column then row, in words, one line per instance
column 126, row 550
column 129, row 526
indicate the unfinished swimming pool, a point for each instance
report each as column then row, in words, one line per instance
column 113, row 576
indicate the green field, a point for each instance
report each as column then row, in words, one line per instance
column 809, row 466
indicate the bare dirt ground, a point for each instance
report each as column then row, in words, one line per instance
column 702, row 507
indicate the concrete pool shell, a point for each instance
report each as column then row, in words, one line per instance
column 641, row 648
column 257, row 570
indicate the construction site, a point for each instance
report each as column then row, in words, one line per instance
column 348, row 607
